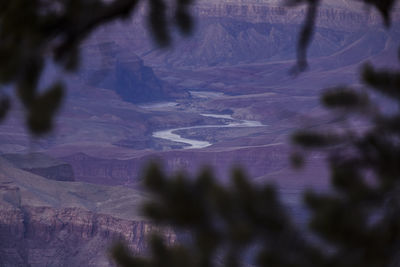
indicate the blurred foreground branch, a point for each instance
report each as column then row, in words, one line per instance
column 36, row 32
column 356, row 224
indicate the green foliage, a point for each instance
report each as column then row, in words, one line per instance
column 306, row 33
column 314, row 139
column 343, row 97
column 34, row 32
column 361, row 217
column 223, row 220
column 42, row 110
column 356, row 224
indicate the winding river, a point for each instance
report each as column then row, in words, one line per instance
column 171, row 134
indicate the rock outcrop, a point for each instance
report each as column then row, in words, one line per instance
column 49, row 236
column 108, row 66
column 343, row 15
column 236, row 32
column 52, row 223
column 42, row 165
column 258, row 160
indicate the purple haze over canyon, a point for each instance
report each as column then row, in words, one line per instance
column 222, row 97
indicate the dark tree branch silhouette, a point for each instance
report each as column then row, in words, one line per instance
column 54, row 30
column 356, row 224
column 35, row 31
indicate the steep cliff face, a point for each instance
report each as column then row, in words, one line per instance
column 106, row 171
column 48, row 236
column 257, row 160
column 347, row 16
column 237, row 33
column 52, row 223
column 241, row 32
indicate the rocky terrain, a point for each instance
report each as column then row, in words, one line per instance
column 235, row 32
column 106, row 65
column 42, row 165
column 66, row 205
column 51, row 223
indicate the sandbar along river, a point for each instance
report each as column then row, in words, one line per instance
column 192, row 143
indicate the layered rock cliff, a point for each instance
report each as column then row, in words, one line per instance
column 46, row 222
column 52, row 223
column 236, row 32
column 49, row 236
column 344, row 15
column 257, row 160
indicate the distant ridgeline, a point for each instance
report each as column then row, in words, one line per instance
column 339, row 14
column 234, row 32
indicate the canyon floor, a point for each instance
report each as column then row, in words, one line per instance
column 222, row 98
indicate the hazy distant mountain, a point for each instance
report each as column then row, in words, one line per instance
column 242, row 32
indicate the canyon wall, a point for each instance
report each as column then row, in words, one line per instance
column 330, row 17
column 49, row 236
column 60, row 223
column 55, row 223
column 236, row 32
column 257, row 160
